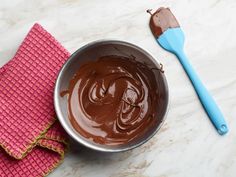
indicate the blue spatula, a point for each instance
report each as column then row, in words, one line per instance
column 170, row 37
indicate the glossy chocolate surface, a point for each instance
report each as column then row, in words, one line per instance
column 113, row 99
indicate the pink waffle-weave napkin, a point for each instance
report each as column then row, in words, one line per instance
column 32, row 141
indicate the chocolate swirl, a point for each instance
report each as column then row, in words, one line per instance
column 113, row 100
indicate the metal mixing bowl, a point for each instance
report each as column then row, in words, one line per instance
column 92, row 51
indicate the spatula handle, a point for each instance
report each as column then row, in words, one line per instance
column 206, row 99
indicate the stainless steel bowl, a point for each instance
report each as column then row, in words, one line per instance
column 93, row 51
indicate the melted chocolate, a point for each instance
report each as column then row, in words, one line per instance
column 161, row 20
column 113, row 100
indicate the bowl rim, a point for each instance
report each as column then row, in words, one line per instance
column 62, row 119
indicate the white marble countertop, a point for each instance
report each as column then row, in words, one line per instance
column 187, row 144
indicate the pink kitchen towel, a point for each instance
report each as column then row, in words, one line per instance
column 31, row 139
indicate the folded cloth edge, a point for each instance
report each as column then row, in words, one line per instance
column 30, row 146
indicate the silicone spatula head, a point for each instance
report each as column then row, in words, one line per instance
column 164, row 22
